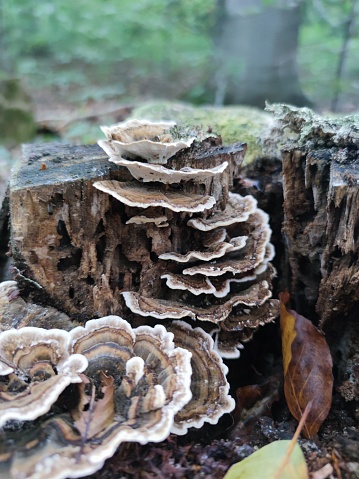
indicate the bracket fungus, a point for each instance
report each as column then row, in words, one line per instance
column 209, row 253
column 212, row 265
column 135, row 381
column 35, row 368
column 138, row 195
column 237, row 210
column 147, row 172
column 209, row 386
column 154, row 142
column 183, row 247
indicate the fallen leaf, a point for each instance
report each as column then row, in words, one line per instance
column 255, row 400
column 84, row 399
column 278, row 460
column 307, row 366
column 266, row 464
column 99, row 413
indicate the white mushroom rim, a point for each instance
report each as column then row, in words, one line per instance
column 41, row 361
column 209, row 375
column 143, row 139
column 238, row 210
column 216, row 251
column 133, row 193
column 150, row 172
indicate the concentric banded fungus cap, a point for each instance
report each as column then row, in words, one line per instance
column 36, row 367
column 255, row 295
column 136, row 130
column 151, row 376
column 143, row 196
column 157, row 308
column 237, row 210
column 151, row 141
column 111, row 345
column 212, row 238
column 209, row 386
column 149, row 172
column 146, row 381
column 215, row 251
column 250, row 317
column 239, row 327
column 245, row 259
column 194, row 284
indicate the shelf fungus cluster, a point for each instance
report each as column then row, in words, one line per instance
column 183, row 254
column 208, row 250
column 68, row 399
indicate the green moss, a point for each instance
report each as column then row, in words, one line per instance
column 17, row 126
column 233, row 123
column 296, row 127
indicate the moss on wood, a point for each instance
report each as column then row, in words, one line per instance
column 233, row 123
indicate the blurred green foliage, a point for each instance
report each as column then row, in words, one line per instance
column 143, row 46
column 322, row 36
column 64, row 41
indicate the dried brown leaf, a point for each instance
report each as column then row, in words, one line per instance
column 100, row 413
column 255, row 400
column 307, row 366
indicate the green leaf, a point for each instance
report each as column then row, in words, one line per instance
column 271, row 462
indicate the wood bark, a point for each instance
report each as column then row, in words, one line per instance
column 321, row 223
column 71, row 242
column 321, row 229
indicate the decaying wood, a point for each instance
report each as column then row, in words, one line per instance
column 321, row 212
column 71, row 240
column 17, row 313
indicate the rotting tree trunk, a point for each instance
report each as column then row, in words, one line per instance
column 321, row 229
column 321, row 218
column 71, row 242
column 321, row 226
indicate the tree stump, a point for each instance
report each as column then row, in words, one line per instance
column 321, row 212
column 321, row 230
column 73, row 244
column 78, row 248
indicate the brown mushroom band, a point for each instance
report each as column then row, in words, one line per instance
column 57, row 422
column 213, row 250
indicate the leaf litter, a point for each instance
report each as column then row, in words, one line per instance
column 308, row 365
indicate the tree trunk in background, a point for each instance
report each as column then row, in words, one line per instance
column 257, row 53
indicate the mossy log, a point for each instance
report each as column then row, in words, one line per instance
column 233, row 123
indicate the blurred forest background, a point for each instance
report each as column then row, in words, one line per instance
column 204, row 51
column 93, row 55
